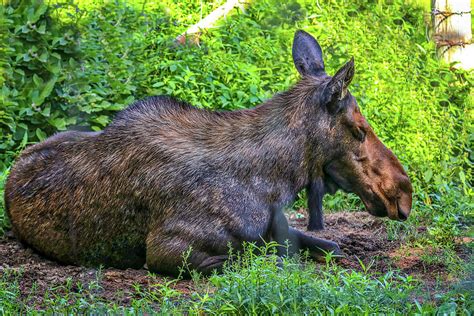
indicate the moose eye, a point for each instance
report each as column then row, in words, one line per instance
column 360, row 135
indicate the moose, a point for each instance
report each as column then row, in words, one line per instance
column 165, row 177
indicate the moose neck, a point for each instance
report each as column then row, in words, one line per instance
column 288, row 133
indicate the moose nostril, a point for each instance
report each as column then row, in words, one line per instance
column 402, row 216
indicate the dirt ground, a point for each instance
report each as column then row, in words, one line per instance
column 360, row 235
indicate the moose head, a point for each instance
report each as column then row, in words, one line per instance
column 354, row 159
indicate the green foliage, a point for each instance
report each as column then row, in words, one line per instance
column 254, row 284
column 64, row 65
column 38, row 58
column 4, row 224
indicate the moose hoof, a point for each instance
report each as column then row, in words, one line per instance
column 210, row 264
column 315, row 224
column 334, row 249
column 279, row 263
column 337, row 252
column 329, row 248
column 315, row 227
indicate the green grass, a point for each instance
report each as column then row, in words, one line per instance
column 95, row 58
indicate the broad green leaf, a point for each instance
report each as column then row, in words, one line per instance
column 48, row 87
column 37, row 80
column 40, row 134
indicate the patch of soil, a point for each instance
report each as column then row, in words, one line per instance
column 360, row 236
column 39, row 275
column 363, row 238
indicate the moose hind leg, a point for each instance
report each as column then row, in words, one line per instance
column 213, row 263
column 173, row 255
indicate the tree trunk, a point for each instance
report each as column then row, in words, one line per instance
column 193, row 32
column 452, row 31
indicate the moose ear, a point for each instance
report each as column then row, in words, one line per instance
column 307, row 54
column 336, row 89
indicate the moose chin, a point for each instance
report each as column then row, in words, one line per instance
column 165, row 176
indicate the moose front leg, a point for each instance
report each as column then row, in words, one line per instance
column 296, row 240
column 316, row 246
column 280, row 232
column 315, row 191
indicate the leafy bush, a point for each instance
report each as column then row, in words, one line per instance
column 4, row 224
column 38, row 59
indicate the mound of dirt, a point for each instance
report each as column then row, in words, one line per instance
column 363, row 238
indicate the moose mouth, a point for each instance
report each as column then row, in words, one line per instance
column 377, row 207
column 374, row 204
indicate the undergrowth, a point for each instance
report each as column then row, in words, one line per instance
column 255, row 283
